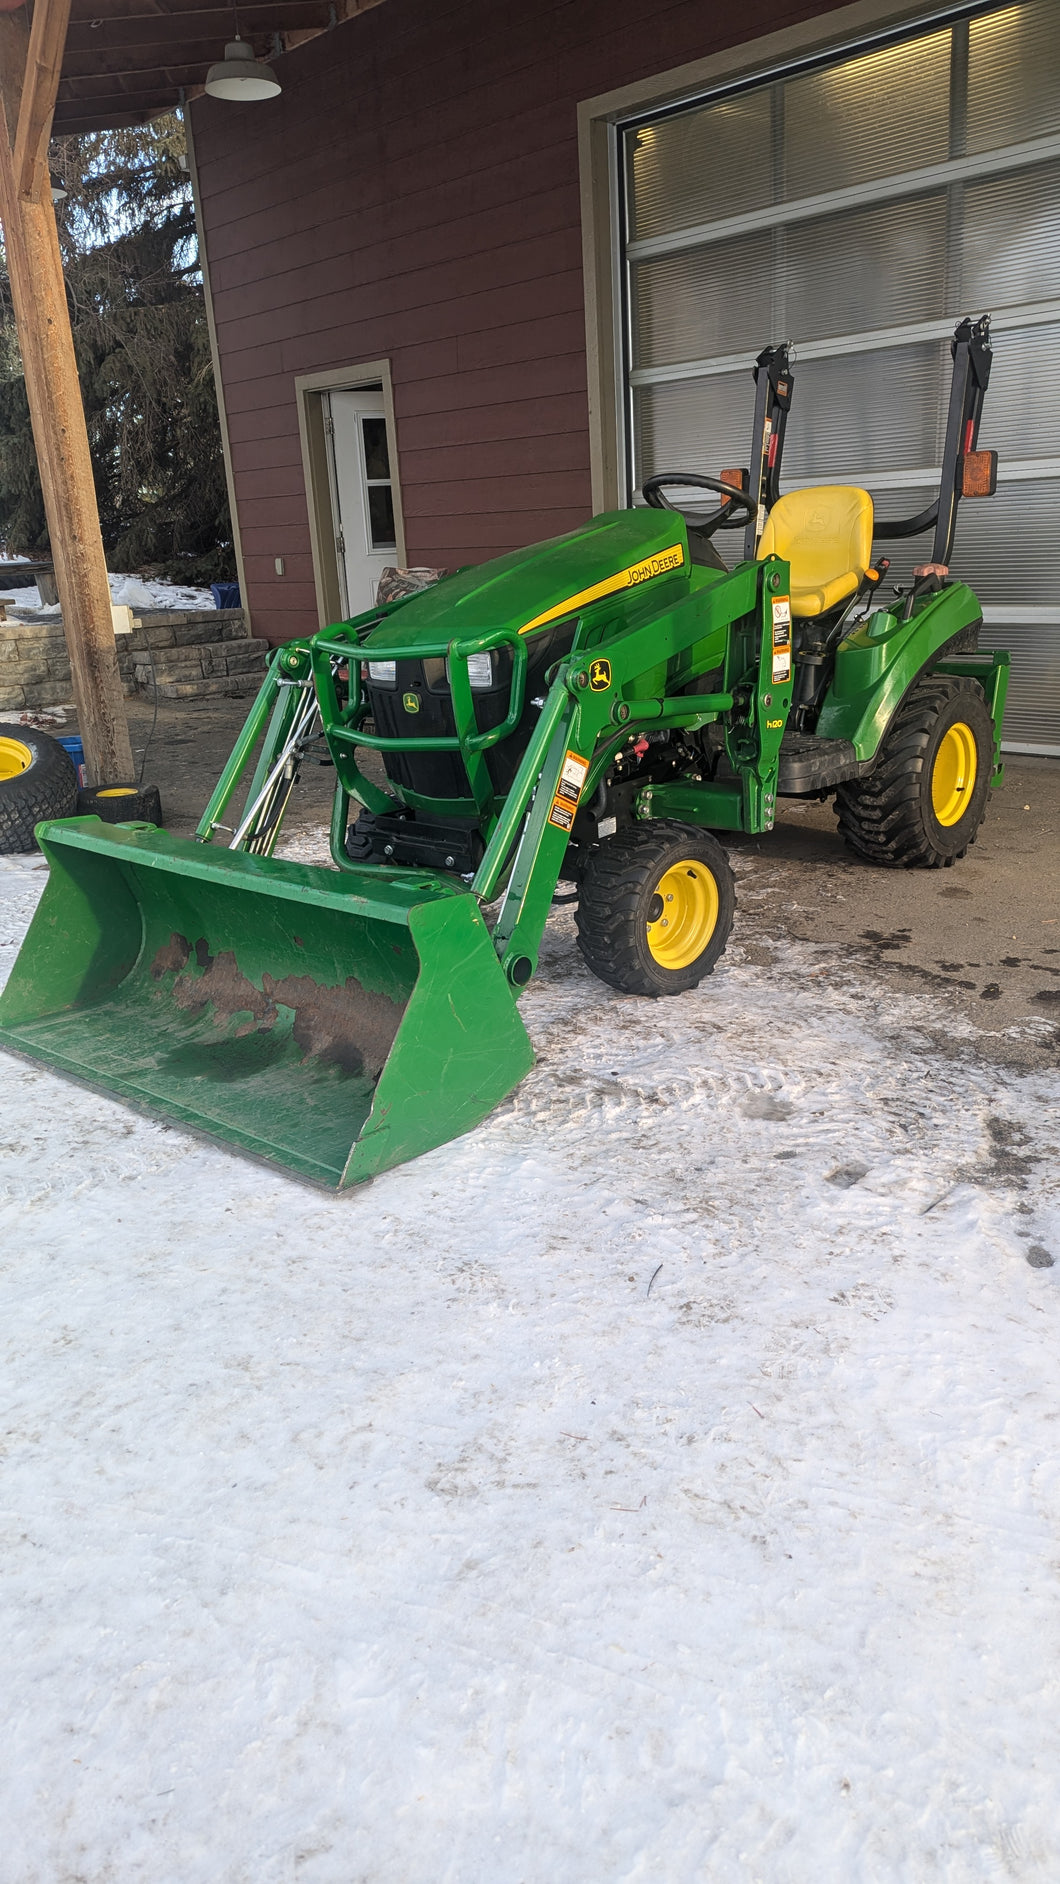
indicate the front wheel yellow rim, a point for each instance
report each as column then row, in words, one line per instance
column 682, row 914
column 14, row 758
column 954, row 773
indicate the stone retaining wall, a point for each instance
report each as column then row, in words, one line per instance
column 196, row 652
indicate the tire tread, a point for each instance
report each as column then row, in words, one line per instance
column 46, row 789
column 880, row 816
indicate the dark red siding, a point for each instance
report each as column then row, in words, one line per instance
column 413, row 195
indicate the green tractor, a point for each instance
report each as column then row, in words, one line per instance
column 591, row 710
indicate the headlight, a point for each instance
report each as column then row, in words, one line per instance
column 384, row 673
column 479, row 672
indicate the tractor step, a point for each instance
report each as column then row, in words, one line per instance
column 811, row 764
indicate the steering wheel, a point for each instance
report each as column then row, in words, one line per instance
column 706, row 523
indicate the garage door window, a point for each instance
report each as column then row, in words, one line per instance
column 860, row 209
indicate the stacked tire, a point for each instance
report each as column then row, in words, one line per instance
column 120, row 804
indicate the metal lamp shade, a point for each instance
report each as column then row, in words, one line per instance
column 240, row 76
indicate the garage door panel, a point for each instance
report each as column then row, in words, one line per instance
column 1005, row 545
column 703, row 301
column 694, row 425
column 1013, row 76
column 867, row 117
column 862, row 413
column 877, row 267
column 1011, row 247
column 1019, row 418
column 700, row 165
column 1032, row 714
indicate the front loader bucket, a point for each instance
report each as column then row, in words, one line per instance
column 335, row 1023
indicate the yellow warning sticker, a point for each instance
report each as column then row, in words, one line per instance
column 568, row 790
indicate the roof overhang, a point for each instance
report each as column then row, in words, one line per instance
column 127, row 60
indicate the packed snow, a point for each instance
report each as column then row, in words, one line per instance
column 658, row 1483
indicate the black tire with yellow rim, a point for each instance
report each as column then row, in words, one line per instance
column 923, row 803
column 37, row 781
column 121, row 804
column 655, row 908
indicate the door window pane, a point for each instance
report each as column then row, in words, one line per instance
column 376, row 450
column 381, row 516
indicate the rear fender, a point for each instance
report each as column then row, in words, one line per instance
column 877, row 664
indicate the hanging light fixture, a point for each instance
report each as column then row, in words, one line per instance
column 58, row 187
column 239, row 75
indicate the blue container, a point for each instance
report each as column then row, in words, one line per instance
column 72, row 745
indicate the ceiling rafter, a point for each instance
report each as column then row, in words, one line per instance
column 128, row 60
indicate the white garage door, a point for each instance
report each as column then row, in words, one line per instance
column 860, row 208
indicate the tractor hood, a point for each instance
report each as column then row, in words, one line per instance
column 532, row 588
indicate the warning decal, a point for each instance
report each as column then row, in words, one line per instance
column 781, row 639
column 568, row 790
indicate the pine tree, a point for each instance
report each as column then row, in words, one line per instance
column 130, row 256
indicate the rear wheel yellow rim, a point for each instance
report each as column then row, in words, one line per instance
column 953, row 774
column 682, row 914
column 14, row 758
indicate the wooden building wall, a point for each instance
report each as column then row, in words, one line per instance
column 413, row 194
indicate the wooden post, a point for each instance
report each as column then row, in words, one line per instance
column 29, row 77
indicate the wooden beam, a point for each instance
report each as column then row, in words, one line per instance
column 38, row 292
column 44, row 58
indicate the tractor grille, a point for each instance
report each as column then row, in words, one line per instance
column 442, row 774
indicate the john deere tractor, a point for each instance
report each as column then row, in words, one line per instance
column 592, row 710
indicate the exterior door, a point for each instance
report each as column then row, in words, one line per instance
column 362, row 495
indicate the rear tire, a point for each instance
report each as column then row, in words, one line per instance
column 37, row 781
column 926, row 798
column 655, row 908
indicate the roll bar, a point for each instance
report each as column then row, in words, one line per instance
column 966, row 471
column 774, row 380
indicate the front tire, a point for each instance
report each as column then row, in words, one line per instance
column 926, row 798
column 655, row 908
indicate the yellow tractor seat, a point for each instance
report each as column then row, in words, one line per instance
column 825, row 533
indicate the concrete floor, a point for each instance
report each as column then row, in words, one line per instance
column 985, row 933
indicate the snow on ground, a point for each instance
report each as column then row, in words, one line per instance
column 131, row 590
column 660, row 1482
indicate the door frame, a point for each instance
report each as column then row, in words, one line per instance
column 363, row 376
